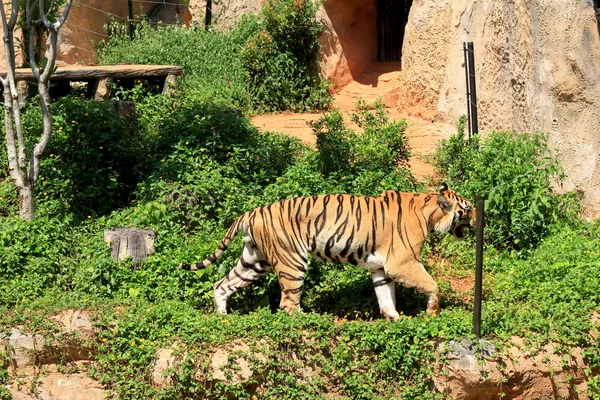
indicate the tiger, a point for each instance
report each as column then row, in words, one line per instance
column 384, row 234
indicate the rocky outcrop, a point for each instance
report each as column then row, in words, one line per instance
column 32, row 358
column 537, row 68
column 71, row 343
column 475, row 373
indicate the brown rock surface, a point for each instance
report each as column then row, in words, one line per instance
column 537, row 67
column 53, row 384
column 515, row 372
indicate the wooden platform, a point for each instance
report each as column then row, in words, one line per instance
column 98, row 77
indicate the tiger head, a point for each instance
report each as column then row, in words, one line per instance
column 459, row 213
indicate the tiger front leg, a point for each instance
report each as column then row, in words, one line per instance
column 414, row 275
column 385, row 290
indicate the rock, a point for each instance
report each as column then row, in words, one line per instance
column 220, row 360
column 514, row 372
column 21, row 347
column 229, row 364
column 76, row 321
column 70, row 344
column 53, row 385
column 465, row 349
column 73, row 343
column 165, row 359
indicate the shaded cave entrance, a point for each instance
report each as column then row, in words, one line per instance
column 392, row 16
column 169, row 12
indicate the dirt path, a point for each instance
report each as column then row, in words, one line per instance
column 423, row 135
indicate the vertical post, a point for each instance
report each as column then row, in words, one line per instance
column 208, row 14
column 472, row 88
column 478, row 266
column 130, row 4
column 468, row 93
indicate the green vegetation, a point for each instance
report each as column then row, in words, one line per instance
column 515, row 174
column 190, row 166
column 259, row 66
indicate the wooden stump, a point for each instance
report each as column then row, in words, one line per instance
column 130, row 242
column 99, row 89
column 170, row 86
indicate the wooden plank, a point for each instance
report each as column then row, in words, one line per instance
column 85, row 73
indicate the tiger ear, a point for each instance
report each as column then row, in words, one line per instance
column 444, row 203
column 443, row 188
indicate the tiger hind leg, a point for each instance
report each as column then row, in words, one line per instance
column 251, row 266
column 385, row 290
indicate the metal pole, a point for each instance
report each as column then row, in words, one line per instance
column 472, row 88
column 478, row 266
column 468, row 93
column 130, row 4
column 208, row 14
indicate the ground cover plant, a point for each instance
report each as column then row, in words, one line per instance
column 190, row 166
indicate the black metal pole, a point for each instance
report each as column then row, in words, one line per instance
column 130, row 4
column 468, row 93
column 478, row 266
column 208, row 14
column 472, row 88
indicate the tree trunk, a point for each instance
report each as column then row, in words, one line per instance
column 26, row 202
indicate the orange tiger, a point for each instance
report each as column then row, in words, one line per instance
column 384, row 234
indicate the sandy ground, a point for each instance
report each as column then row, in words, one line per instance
column 423, row 134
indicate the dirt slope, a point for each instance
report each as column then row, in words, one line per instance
column 423, row 133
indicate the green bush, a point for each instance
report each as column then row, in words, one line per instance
column 515, row 174
column 264, row 63
column 456, row 156
column 210, row 60
column 34, row 257
column 382, row 147
column 281, row 58
column 93, row 162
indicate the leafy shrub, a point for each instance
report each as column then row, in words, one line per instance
column 281, row 58
column 259, row 65
column 515, row 174
column 456, row 156
column 8, row 198
column 210, row 60
column 92, row 162
column 34, row 256
column 381, row 147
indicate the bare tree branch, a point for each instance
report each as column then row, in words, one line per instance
column 25, row 178
column 31, row 53
column 16, row 156
column 60, row 21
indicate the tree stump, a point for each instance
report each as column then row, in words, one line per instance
column 170, row 86
column 130, row 242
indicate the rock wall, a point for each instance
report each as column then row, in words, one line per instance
column 537, row 67
column 349, row 39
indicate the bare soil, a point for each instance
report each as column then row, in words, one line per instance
column 424, row 131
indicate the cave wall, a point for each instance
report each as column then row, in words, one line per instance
column 537, row 69
column 349, row 39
